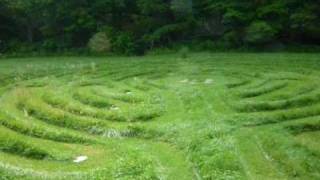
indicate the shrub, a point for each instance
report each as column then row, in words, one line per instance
column 123, row 44
column 232, row 39
column 2, row 46
column 184, row 52
column 99, row 43
column 234, row 17
column 205, row 45
column 209, row 45
column 160, row 51
column 181, row 7
column 260, row 33
column 21, row 47
column 49, row 45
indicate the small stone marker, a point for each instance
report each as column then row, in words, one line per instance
column 208, row 81
column 114, row 108
column 184, row 81
column 129, row 93
column 26, row 114
column 80, row 159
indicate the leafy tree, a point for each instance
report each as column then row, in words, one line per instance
column 305, row 22
column 28, row 15
column 260, row 32
column 6, row 26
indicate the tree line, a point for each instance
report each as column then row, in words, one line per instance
column 136, row 26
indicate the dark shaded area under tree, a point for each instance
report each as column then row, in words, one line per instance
column 136, row 26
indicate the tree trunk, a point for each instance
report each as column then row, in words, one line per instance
column 30, row 34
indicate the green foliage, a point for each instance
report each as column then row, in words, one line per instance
column 50, row 45
column 260, row 33
column 232, row 39
column 124, row 44
column 142, row 25
column 99, row 43
column 182, row 7
column 184, row 52
column 234, row 17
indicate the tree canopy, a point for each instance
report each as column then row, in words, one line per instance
column 134, row 26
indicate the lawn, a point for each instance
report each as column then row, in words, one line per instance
column 206, row 116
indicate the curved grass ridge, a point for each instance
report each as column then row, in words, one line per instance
column 136, row 119
column 304, row 104
column 280, row 111
column 261, row 90
column 38, row 131
column 83, row 119
column 298, row 101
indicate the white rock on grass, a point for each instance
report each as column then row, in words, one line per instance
column 208, row 81
column 185, row 81
column 26, row 114
column 80, row 159
column 114, row 108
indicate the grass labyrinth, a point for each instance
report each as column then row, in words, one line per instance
column 210, row 116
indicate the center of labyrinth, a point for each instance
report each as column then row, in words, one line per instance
column 149, row 125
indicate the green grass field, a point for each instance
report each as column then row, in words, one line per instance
column 209, row 116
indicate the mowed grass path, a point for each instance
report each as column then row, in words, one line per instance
column 209, row 116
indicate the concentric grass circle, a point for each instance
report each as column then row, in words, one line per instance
column 161, row 118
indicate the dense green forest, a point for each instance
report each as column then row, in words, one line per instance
column 136, row 26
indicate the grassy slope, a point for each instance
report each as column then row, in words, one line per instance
column 210, row 116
